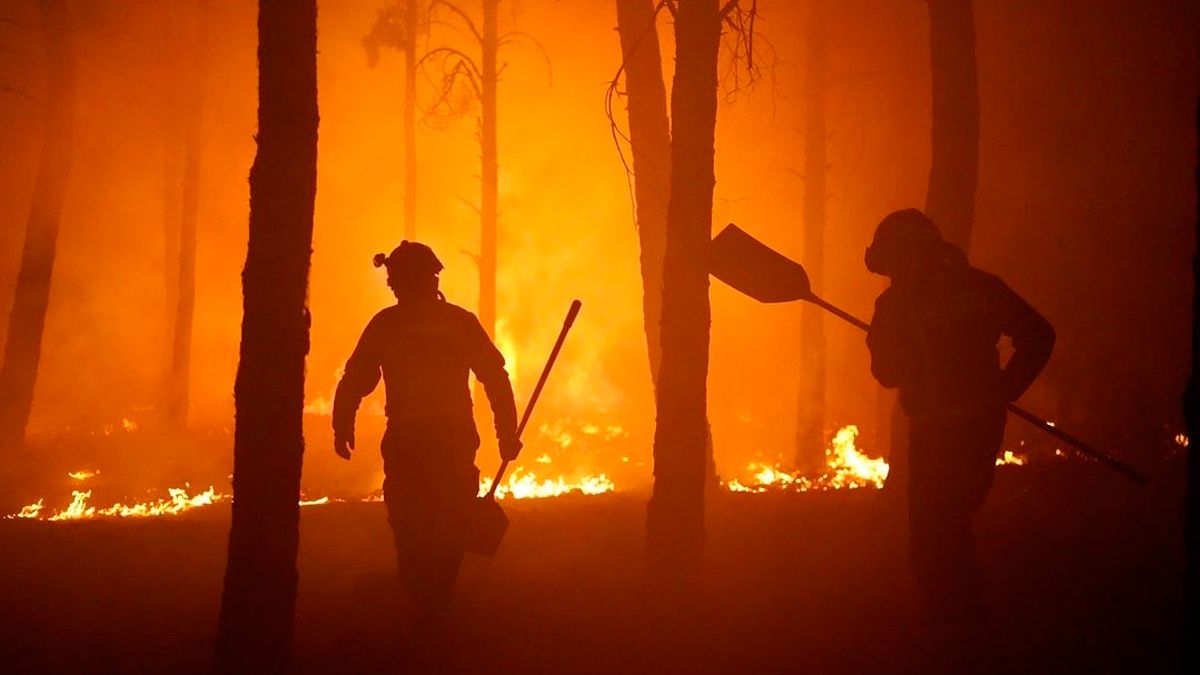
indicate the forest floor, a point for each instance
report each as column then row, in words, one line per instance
column 1084, row 575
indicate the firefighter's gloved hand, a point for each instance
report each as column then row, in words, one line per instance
column 343, row 444
column 510, row 448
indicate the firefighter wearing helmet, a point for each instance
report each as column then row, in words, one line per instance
column 424, row 347
column 934, row 336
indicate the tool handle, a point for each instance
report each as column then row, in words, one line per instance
column 1105, row 459
column 839, row 313
column 537, row 389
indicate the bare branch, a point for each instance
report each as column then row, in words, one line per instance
column 742, row 50
column 461, row 14
column 514, row 37
column 475, row 258
column 469, row 204
column 451, row 51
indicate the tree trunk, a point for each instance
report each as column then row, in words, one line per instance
column 179, row 377
column 650, row 140
column 810, row 418
column 675, row 516
column 1191, row 414
column 254, row 634
column 954, row 170
column 487, row 141
column 410, row 120
column 23, row 346
column 950, row 201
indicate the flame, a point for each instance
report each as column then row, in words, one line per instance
column 846, row 467
column 508, row 348
column 29, row 511
column 1010, row 458
column 82, row 474
column 522, row 484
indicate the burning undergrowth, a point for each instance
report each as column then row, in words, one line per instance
column 564, row 457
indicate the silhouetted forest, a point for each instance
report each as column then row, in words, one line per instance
column 197, row 199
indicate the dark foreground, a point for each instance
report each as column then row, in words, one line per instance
column 1084, row 577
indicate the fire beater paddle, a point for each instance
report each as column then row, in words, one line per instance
column 762, row 273
column 488, row 522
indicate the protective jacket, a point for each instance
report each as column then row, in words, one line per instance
column 424, row 350
column 937, row 341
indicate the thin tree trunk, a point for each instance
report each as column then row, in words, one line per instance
column 23, row 345
column 1191, row 414
column 487, row 139
column 675, row 516
column 172, row 209
column 953, row 174
column 410, row 120
column 810, row 418
column 185, row 295
column 254, row 634
column 650, row 140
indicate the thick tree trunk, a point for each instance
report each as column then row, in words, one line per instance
column 487, row 139
column 410, row 120
column 23, row 346
column 179, row 376
column 254, row 634
column 810, row 418
column 675, row 516
column 954, row 171
column 650, row 140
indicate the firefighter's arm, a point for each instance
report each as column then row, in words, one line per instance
column 361, row 376
column 488, row 364
column 893, row 354
column 1032, row 340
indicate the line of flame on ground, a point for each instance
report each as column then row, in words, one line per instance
column 521, row 484
column 846, row 468
column 177, row 502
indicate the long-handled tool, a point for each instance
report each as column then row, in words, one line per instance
column 537, row 389
column 488, row 520
column 760, row 272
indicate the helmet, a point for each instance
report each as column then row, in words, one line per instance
column 900, row 233
column 409, row 260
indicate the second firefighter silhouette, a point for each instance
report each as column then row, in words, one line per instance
column 424, row 348
column 935, row 335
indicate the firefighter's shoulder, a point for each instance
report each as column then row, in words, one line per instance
column 459, row 315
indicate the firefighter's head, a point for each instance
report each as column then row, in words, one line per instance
column 412, row 270
column 908, row 244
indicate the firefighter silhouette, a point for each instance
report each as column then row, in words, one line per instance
column 424, row 348
column 934, row 335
